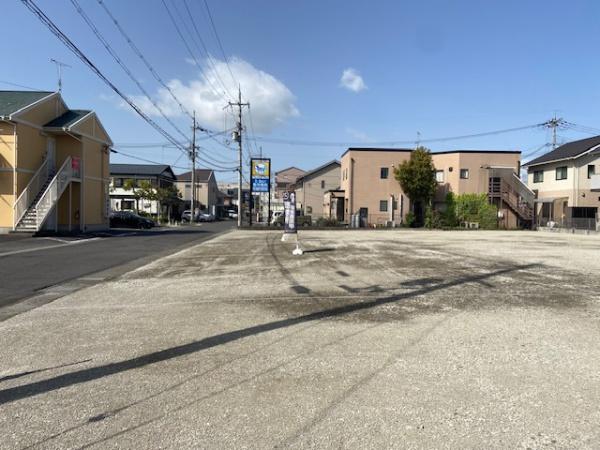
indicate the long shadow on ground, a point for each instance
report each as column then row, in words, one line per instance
column 84, row 375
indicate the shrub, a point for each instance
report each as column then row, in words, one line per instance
column 433, row 218
column 448, row 217
column 327, row 222
column 476, row 208
column 410, row 219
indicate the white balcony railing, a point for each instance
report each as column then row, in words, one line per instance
column 32, row 190
column 54, row 190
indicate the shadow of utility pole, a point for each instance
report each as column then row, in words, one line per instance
column 84, row 375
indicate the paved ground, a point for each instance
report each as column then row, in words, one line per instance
column 371, row 339
column 39, row 266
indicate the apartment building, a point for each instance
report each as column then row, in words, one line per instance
column 372, row 192
column 311, row 187
column 54, row 165
column 566, row 182
column 126, row 178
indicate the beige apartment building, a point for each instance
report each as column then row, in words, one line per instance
column 311, row 187
column 372, row 192
column 566, row 182
column 54, row 165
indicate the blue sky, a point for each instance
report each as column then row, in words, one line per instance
column 442, row 68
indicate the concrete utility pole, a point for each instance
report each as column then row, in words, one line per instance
column 193, row 174
column 238, row 138
column 554, row 123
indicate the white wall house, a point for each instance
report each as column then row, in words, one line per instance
column 567, row 184
column 122, row 199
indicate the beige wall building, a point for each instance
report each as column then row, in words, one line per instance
column 371, row 190
column 567, row 184
column 311, row 187
column 207, row 190
column 54, row 165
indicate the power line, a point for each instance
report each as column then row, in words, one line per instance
column 219, row 41
column 30, row 4
column 191, row 53
column 20, row 85
column 114, row 150
column 390, row 143
column 206, row 52
column 140, row 55
column 123, row 66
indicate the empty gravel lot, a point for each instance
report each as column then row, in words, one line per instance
column 371, row 339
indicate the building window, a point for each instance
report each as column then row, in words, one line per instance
column 538, row 176
column 561, row 173
column 383, row 173
column 439, row 176
column 188, row 185
column 126, row 205
column 591, row 170
column 383, row 205
column 118, row 182
column 322, row 184
column 309, row 210
column 464, row 174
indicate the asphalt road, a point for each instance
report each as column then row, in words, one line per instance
column 29, row 266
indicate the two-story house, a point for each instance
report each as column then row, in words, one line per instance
column 207, row 190
column 54, row 162
column 311, row 187
column 566, row 182
column 126, row 178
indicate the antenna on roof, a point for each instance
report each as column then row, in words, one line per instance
column 418, row 142
column 59, row 66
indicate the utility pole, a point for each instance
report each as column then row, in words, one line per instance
column 237, row 136
column 193, row 174
column 59, row 66
column 554, row 123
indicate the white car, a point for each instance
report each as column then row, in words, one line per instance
column 276, row 215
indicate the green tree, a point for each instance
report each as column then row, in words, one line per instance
column 131, row 185
column 417, row 177
column 168, row 196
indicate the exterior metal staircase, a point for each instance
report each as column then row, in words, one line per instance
column 515, row 200
column 39, row 198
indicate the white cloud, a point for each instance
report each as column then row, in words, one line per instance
column 271, row 102
column 191, row 61
column 352, row 80
column 358, row 135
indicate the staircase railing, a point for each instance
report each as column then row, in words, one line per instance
column 53, row 192
column 25, row 200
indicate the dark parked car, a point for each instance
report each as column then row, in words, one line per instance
column 130, row 220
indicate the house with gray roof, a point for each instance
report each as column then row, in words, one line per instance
column 207, row 190
column 126, row 178
column 310, row 188
column 566, row 182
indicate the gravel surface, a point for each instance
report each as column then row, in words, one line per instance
column 371, row 339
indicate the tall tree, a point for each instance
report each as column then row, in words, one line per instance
column 417, row 176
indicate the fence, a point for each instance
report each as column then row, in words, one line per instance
column 589, row 224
